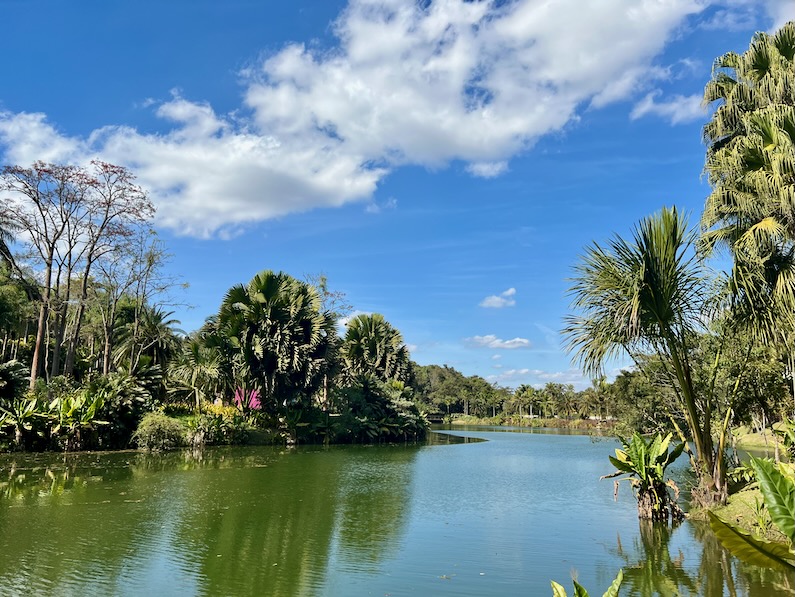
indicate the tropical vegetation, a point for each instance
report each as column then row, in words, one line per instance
column 644, row 463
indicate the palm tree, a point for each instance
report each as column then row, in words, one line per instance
column 198, row 369
column 283, row 339
column 152, row 335
column 648, row 294
column 751, row 167
column 373, row 347
column 7, row 229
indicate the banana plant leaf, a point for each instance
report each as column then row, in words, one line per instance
column 612, row 591
column 779, row 494
column 750, row 549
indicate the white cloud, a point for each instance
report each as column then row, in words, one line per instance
column 505, row 299
column 780, row 11
column 492, row 341
column 343, row 322
column 678, row 109
column 570, row 376
column 496, row 357
column 487, row 169
column 407, row 83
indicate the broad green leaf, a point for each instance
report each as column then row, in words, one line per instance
column 779, row 494
column 662, row 450
column 750, row 549
column 579, row 591
column 675, row 453
column 557, row 590
column 655, row 448
column 622, row 466
column 612, row 591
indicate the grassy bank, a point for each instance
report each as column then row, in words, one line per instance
column 515, row 421
column 745, row 510
column 747, row 438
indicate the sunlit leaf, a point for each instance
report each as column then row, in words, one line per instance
column 779, row 494
column 612, row 591
column 579, row 591
column 751, row 549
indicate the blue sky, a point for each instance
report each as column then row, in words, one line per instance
column 443, row 163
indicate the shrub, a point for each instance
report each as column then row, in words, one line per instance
column 156, row 431
column 13, row 381
column 225, row 427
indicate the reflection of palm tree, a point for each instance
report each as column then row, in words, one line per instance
column 657, row 573
column 718, row 566
column 650, row 569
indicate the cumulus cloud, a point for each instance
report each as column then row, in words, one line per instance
column 504, row 299
column 678, row 109
column 405, row 83
column 780, row 11
column 492, row 341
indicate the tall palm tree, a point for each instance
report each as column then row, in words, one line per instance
column 283, row 338
column 751, row 167
column 373, row 347
column 648, row 294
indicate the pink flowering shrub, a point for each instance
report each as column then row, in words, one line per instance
column 247, row 400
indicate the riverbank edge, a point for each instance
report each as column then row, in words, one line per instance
column 525, row 421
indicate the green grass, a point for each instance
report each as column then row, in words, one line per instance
column 516, row 421
column 741, row 510
column 746, row 439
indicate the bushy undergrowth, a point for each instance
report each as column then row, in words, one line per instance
column 157, row 431
column 219, row 425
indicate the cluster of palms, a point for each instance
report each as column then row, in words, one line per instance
column 272, row 339
column 652, row 294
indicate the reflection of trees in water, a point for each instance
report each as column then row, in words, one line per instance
column 650, row 569
column 29, row 480
column 374, row 501
column 656, row 573
column 234, row 520
column 59, row 510
column 269, row 530
column 261, row 527
column 736, row 577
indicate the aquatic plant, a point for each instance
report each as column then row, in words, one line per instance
column 579, row 591
column 644, row 463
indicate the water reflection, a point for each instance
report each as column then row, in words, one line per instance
column 660, row 563
column 373, row 499
column 495, row 518
column 216, row 522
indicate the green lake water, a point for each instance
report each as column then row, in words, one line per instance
column 456, row 516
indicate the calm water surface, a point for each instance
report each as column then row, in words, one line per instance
column 457, row 516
